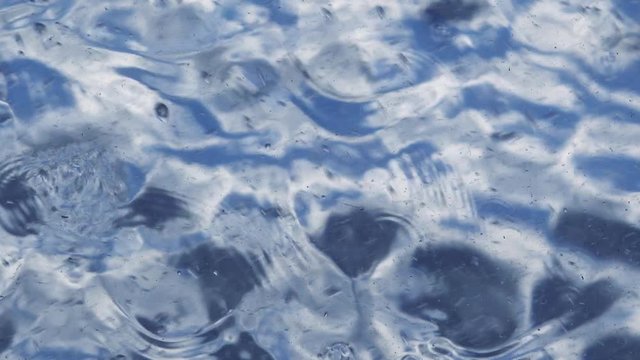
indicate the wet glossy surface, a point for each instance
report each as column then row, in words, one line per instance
column 280, row 179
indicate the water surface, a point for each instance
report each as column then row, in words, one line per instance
column 284, row 179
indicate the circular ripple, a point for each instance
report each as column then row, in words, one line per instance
column 338, row 351
column 67, row 194
column 348, row 72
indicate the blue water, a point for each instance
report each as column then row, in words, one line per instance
column 287, row 179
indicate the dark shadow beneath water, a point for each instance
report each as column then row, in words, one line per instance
column 443, row 11
column 556, row 297
column 225, row 276
column 19, row 212
column 471, row 297
column 602, row 239
column 153, row 208
column 356, row 241
column 244, row 348
column 614, row 347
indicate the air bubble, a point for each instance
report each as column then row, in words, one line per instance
column 162, row 111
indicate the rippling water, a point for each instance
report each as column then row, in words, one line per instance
column 286, row 179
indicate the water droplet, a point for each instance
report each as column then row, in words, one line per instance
column 162, row 110
column 40, row 27
column 327, row 14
